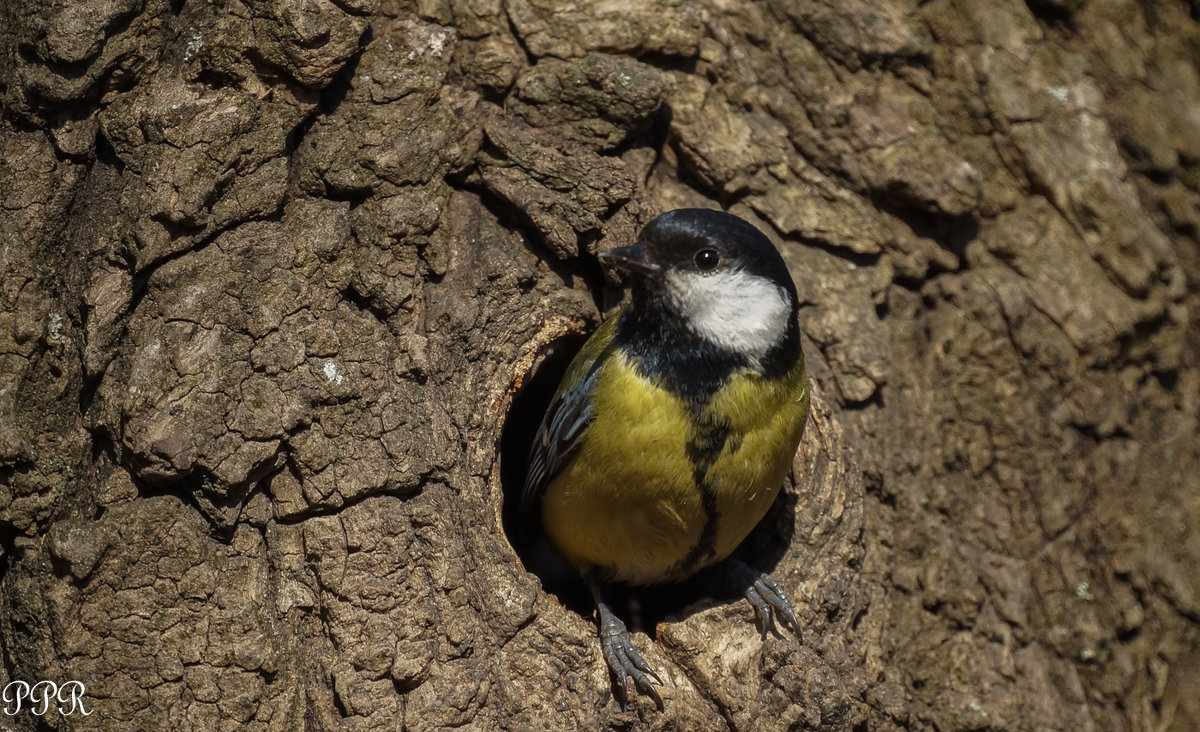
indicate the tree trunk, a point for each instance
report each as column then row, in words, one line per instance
column 286, row 283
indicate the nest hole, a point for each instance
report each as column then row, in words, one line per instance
column 643, row 608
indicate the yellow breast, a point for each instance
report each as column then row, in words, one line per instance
column 631, row 500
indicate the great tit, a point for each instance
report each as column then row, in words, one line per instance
column 674, row 427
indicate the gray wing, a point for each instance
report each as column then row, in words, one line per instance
column 566, row 420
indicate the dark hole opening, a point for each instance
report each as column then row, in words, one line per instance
column 516, row 438
column 642, row 608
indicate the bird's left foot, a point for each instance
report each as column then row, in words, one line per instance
column 770, row 602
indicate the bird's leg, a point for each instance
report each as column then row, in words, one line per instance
column 768, row 600
column 623, row 659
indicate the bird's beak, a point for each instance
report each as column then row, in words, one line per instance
column 631, row 259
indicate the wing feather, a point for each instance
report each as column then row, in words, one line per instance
column 566, row 421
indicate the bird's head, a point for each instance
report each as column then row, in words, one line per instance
column 719, row 275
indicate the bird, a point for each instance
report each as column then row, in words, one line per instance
column 674, row 427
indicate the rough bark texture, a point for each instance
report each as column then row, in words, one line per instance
column 274, row 272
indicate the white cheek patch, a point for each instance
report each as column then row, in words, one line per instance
column 733, row 309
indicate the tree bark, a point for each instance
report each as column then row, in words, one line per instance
column 284, row 284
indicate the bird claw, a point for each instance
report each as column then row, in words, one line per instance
column 624, row 661
column 770, row 602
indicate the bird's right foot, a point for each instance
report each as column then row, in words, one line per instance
column 624, row 661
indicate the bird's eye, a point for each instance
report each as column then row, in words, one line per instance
column 707, row 260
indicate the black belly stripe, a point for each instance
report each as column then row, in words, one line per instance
column 703, row 450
